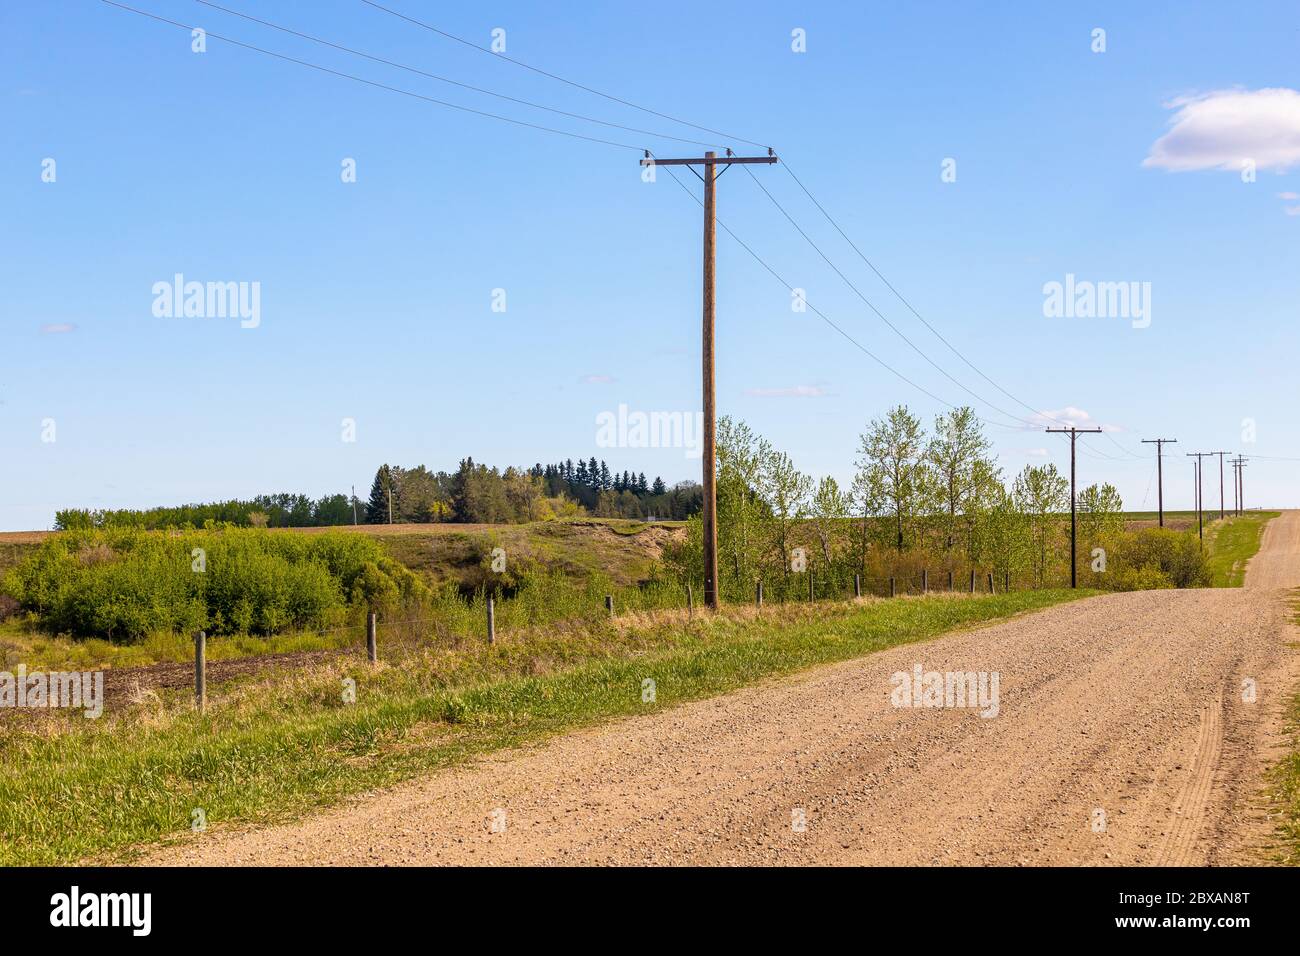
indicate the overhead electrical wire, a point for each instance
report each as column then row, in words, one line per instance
column 653, row 134
column 377, row 85
column 444, row 79
column 557, row 77
column 858, row 292
column 825, row 318
column 625, row 102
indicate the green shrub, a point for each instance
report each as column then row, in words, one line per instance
column 124, row 583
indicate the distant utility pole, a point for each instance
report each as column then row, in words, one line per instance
column 1160, row 473
column 1200, row 490
column 1239, row 463
column 1221, row 454
column 1074, row 434
column 710, row 162
column 354, row 505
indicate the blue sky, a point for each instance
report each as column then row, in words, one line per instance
column 376, row 296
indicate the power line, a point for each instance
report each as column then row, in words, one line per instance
column 825, row 318
column 444, row 79
column 872, row 307
column 911, row 308
column 606, row 142
column 377, row 85
column 558, row 78
column 588, row 89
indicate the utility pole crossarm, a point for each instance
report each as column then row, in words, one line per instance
column 703, row 161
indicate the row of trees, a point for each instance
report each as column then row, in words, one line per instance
column 472, row 493
column 274, row 511
column 476, row 493
column 917, row 499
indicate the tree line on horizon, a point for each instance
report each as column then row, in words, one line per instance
column 473, row 493
column 477, row 494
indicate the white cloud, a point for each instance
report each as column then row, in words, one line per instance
column 1064, row 418
column 793, row 391
column 1292, row 210
column 1289, row 197
column 58, row 328
column 1222, row 130
column 597, row 379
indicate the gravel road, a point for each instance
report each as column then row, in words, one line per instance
column 1121, row 736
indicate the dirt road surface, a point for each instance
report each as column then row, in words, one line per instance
column 1124, row 734
column 1277, row 565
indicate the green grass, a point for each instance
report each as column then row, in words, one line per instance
column 1230, row 543
column 274, row 747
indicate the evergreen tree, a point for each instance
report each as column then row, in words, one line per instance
column 605, row 482
column 378, row 507
column 641, row 487
column 582, row 472
column 659, row 487
column 593, row 473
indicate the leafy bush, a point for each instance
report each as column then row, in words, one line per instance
column 1147, row 559
column 124, row 583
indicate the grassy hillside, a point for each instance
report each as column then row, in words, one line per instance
column 553, row 571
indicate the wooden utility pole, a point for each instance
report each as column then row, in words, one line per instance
column 1160, row 474
column 710, row 161
column 1239, row 463
column 1200, row 491
column 1220, row 454
column 1074, row 434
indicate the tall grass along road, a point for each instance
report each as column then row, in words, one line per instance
column 1128, row 728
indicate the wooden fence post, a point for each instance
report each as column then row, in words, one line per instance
column 201, row 670
column 372, row 647
column 492, row 621
column 758, row 595
column 925, row 580
column 893, row 592
column 609, row 604
column 972, row 580
column 857, row 585
column 950, row 579
column 690, row 602
column 991, row 582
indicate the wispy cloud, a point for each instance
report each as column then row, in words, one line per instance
column 1224, row 129
column 790, row 391
column 597, row 380
column 58, row 328
column 1064, row 418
